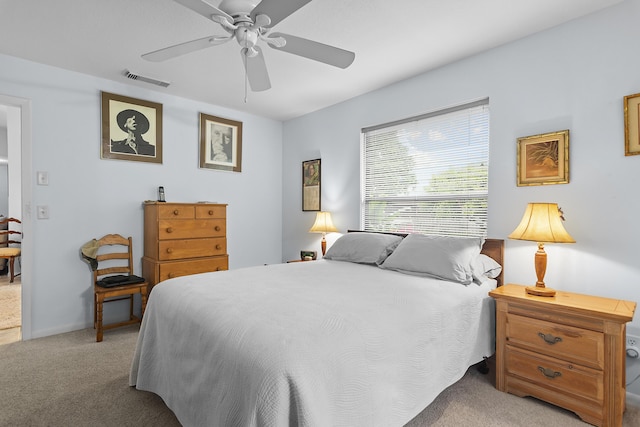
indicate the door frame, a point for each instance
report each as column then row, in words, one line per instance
column 19, row 127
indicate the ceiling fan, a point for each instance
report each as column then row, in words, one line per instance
column 251, row 21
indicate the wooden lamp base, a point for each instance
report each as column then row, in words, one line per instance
column 541, row 268
column 540, row 291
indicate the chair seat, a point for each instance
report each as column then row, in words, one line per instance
column 9, row 252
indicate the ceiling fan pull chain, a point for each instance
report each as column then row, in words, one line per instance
column 246, row 75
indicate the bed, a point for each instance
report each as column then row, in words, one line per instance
column 355, row 339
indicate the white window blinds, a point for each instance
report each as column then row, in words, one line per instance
column 428, row 174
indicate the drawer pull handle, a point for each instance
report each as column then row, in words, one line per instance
column 549, row 373
column 171, row 275
column 549, row 339
column 176, row 212
column 217, row 228
column 169, row 250
column 169, row 230
column 210, row 212
column 218, row 247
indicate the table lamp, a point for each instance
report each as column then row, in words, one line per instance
column 324, row 225
column 542, row 223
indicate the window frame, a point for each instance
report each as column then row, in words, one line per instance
column 415, row 201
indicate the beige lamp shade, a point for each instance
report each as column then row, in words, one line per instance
column 323, row 224
column 542, row 222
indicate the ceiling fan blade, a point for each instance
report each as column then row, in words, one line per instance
column 277, row 10
column 256, row 70
column 317, row 51
column 204, row 8
column 184, row 48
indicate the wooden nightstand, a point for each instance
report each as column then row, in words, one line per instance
column 568, row 350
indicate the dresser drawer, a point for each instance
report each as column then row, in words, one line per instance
column 551, row 373
column 188, row 228
column 204, row 211
column 191, row 248
column 564, row 342
column 169, row 270
column 176, row 211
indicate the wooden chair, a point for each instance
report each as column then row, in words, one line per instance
column 115, row 257
column 10, row 241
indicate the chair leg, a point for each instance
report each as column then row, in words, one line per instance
column 11, row 271
column 99, row 303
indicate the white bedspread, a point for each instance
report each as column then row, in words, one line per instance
column 323, row 343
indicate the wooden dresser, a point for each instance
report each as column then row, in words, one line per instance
column 568, row 350
column 182, row 239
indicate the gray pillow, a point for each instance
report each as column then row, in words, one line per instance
column 363, row 248
column 442, row 257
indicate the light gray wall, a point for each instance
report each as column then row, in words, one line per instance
column 89, row 197
column 572, row 77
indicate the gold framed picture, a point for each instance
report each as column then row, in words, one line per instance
column 131, row 129
column 632, row 125
column 220, row 143
column 311, row 185
column 543, row 159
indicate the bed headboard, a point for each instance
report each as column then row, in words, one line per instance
column 493, row 248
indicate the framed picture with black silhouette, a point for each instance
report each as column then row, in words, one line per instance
column 220, row 143
column 131, row 129
column 311, row 185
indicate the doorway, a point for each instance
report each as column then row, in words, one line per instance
column 15, row 155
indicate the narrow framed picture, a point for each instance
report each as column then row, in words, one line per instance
column 220, row 143
column 632, row 125
column 131, row 129
column 311, row 185
column 543, row 159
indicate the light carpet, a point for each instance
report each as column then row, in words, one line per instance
column 10, row 306
column 71, row 380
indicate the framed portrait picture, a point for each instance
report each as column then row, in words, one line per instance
column 632, row 125
column 131, row 129
column 543, row 159
column 220, row 143
column 311, row 185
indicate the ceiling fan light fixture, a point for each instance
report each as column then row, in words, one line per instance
column 250, row 52
column 246, row 37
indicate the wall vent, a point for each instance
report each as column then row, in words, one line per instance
column 136, row 76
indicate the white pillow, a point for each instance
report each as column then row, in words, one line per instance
column 485, row 267
column 442, row 257
column 363, row 248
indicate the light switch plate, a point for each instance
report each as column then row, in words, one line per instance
column 43, row 212
column 43, row 178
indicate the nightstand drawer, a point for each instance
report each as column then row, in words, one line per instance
column 568, row 343
column 555, row 374
column 191, row 248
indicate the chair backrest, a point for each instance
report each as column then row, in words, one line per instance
column 114, row 256
column 7, row 235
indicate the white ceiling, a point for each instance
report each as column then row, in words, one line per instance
column 392, row 40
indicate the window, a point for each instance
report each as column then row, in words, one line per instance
column 428, row 174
